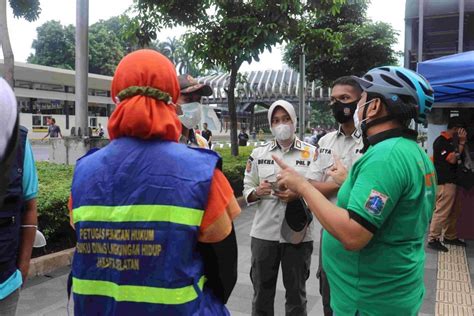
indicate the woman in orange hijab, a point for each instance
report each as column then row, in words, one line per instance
column 160, row 211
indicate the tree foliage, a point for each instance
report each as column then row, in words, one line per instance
column 27, row 9
column 105, row 49
column 55, row 45
column 362, row 44
column 175, row 50
column 109, row 41
column 227, row 33
column 321, row 115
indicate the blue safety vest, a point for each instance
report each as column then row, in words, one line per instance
column 11, row 211
column 137, row 209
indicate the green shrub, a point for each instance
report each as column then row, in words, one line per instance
column 55, row 187
column 234, row 167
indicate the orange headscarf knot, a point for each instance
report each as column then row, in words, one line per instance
column 143, row 115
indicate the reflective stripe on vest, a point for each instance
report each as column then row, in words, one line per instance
column 137, row 208
column 139, row 294
column 139, row 213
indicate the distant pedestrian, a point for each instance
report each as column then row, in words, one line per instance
column 207, row 134
column 243, row 137
column 254, row 134
column 100, row 131
column 53, row 130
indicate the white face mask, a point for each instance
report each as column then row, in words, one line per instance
column 191, row 114
column 357, row 123
column 283, row 132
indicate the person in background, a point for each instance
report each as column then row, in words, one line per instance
column 344, row 144
column 373, row 240
column 207, row 134
column 243, row 137
column 167, row 208
column 254, row 134
column 197, row 130
column 100, row 131
column 189, row 109
column 447, row 150
column 18, row 215
column 261, row 135
column 53, row 130
column 269, row 246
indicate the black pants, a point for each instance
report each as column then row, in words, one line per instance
column 323, row 282
column 295, row 263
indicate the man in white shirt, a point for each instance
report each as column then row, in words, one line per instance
column 269, row 247
column 345, row 145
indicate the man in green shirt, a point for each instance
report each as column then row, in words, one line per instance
column 373, row 244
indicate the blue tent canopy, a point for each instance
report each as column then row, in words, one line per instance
column 452, row 77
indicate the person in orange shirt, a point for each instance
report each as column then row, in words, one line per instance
column 447, row 149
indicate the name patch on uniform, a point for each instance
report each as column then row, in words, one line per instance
column 302, row 163
column 325, row 151
column 376, row 202
column 266, row 162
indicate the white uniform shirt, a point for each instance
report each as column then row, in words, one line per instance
column 261, row 166
column 347, row 148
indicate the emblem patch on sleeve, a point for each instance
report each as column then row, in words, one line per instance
column 248, row 167
column 376, row 202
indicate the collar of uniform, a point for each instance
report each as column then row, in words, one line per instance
column 391, row 133
column 355, row 134
column 296, row 144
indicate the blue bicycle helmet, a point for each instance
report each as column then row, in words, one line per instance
column 408, row 95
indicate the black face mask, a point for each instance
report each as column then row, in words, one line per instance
column 343, row 112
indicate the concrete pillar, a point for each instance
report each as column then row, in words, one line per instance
column 461, row 27
column 301, row 92
column 82, row 66
column 420, row 30
column 408, row 42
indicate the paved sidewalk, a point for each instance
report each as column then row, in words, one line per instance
column 47, row 295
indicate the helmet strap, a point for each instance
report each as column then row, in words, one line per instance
column 366, row 125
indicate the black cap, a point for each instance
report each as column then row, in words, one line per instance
column 296, row 222
column 187, row 84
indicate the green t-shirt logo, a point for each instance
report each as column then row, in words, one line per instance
column 376, row 202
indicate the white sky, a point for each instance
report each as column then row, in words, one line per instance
column 22, row 32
